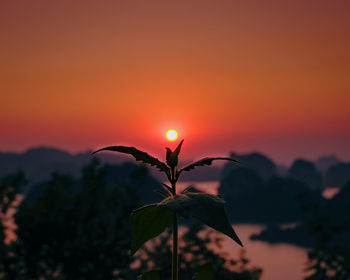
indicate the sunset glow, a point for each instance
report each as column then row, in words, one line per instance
column 250, row 75
column 171, row 135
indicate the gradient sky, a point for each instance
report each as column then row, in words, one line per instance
column 270, row 76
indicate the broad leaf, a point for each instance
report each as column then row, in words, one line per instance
column 148, row 222
column 205, row 207
column 172, row 157
column 150, row 275
column 138, row 155
column 205, row 272
column 206, row 161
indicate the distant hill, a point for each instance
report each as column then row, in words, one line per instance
column 261, row 164
column 250, row 199
column 39, row 163
column 333, row 214
column 325, row 162
column 259, row 191
column 305, row 171
column 337, row 175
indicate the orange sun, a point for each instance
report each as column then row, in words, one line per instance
column 171, row 135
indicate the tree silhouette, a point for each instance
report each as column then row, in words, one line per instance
column 73, row 230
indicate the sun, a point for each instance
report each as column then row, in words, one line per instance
column 171, row 135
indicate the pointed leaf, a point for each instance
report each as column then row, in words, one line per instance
column 166, row 187
column 148, row 222
column 206, row 161
column 172, row 158
column 178, row 149
column 163, row 194
column 138, row 155
column 187, row 189
column 151, row 275
column 205, row 207
column 168, row 155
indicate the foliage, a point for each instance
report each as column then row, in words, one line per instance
column 79, row 229
column 73, row 230
column 330, row 257
column 207, row 208
column 148, row 222
column 9, row 188
column 201, row 247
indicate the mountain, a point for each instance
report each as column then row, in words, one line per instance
column 252, row 200
column 261, row 164
column 338, row 175
column 325, row 162
column 305, row 171
column 39, row 163
column 331, row 215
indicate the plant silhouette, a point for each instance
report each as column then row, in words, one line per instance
column 151, row 220
column 196, row 254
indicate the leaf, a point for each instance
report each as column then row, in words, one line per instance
column 206, row 161
column 150, row 275
column 178, row 149
column 205, row 272
column 207, row 208
column 164, row 194
column 138, row 155
column 168, row 155
column 166, row 187
column 148, row 222
column 172, row 158
column 187, row 189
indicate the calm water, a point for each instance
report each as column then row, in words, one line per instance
column 279, row 261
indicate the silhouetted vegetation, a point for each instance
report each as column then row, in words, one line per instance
column 79, row 229
column 73, row 232
column 194, row 253
column 72, row 228
column 329, row 259
column 151, row 220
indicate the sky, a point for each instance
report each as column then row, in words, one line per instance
column 242, row 76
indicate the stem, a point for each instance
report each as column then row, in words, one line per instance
column 175, row 264
column 175, row 259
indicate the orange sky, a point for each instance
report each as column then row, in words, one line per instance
column 231, row 75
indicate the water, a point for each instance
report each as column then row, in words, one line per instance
column 278, row 261
column 330, row 192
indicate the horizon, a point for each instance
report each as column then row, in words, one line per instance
column 184, row 158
